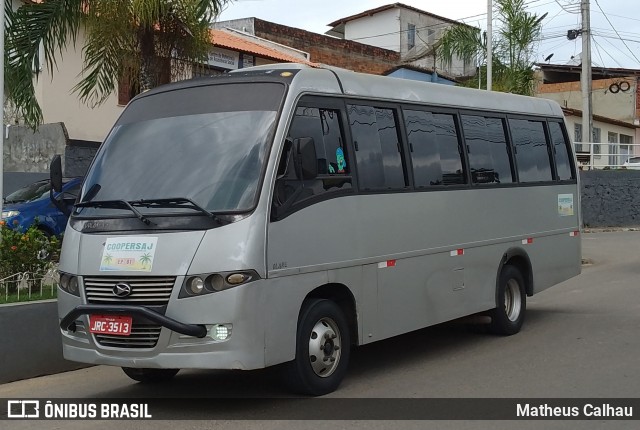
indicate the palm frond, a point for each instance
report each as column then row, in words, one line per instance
column 50, row 24
column 460, row 41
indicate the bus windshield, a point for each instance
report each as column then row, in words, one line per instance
column 206, row 144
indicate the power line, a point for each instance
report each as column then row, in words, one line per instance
column 606, row 52
column 614, row 29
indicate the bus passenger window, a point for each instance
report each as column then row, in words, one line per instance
column 488, row 150
column 562, row 151
column 532, row 152
column 377, row 146
column 433, row 142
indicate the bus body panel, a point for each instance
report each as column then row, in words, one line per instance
column 435, row 254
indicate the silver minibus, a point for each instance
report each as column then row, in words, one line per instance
column 286, row 214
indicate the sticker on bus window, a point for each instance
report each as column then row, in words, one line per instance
column 128, row 253
column 342, row 163
column 565, row 204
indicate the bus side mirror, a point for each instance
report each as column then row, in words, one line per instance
column 306, row 159
column 55, row 176
column 55, row 173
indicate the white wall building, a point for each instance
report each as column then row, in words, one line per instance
column 405, row 29
column 613, row 140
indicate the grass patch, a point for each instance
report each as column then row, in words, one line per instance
column 47, row 294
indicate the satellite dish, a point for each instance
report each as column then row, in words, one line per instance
column 548, row 57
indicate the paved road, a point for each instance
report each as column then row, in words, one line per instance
column 580, row 340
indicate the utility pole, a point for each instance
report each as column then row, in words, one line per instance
column 585, row 79
column 489, row 44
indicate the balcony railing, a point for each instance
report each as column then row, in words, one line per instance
column 605, row 155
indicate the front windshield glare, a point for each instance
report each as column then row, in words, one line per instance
column 30, row 193
column 212, row 158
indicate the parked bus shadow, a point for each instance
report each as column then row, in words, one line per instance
column 419, row 348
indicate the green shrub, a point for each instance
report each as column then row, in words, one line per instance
column 29, row 251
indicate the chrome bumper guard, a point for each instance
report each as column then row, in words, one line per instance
column 195, row 330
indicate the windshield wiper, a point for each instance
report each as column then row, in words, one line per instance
column 178, row 202
column 114, row 204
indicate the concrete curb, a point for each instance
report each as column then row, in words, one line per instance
column 31, row 341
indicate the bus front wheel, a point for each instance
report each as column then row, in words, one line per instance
column 322, row 349
column 150, row 375
column 508, row 316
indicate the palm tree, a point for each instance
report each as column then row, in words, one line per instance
column 512, row 48
column 107, row 259
column 138, row 41
column 145, row 259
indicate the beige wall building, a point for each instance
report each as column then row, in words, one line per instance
column 615, row 98
column 86, row 123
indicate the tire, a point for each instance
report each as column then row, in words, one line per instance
column 507, row 318
column 146, row 376
column 45, row 232
column 323, row 347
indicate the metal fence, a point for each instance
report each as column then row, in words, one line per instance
column 29, row 286
column 609, row 155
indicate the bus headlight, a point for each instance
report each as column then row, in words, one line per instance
column 69, row 284
column 195, row 285
column 198, row 285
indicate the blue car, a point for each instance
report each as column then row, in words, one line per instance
column 31, row 204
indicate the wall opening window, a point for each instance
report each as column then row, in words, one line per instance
column 411, row 36
column 596, row 140
column 577, row 137
column 625, row 148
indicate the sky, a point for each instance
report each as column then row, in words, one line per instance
column 615, row 42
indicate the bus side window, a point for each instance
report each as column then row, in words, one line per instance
column 488, row 150
column 377, row 147
column 334, row 167
column 562, row 151
column 532, row 152
column 433, row 144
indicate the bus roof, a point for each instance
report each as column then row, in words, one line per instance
column 322, row 79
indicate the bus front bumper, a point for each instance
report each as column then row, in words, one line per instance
column 195, row 330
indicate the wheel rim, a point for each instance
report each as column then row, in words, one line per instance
column 512, row 300
column 325, row 344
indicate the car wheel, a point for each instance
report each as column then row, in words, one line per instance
column 322, row 349
column 508, row 316
column 150, row 375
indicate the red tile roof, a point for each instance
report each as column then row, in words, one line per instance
column 225, row 39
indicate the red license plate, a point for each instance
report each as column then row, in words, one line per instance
column 110, row 324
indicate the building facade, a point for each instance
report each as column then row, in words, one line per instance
column 615, row 95
column 412, row 32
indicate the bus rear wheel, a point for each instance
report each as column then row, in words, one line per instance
column 322, row 349
column 150, row 375
column 508, row 316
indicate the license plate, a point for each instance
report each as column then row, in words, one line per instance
column 110, row 324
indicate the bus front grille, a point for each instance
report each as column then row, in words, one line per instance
column 142, row 336
column 149, row 291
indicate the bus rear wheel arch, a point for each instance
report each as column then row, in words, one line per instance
column 323, row 346
column 511, row 302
